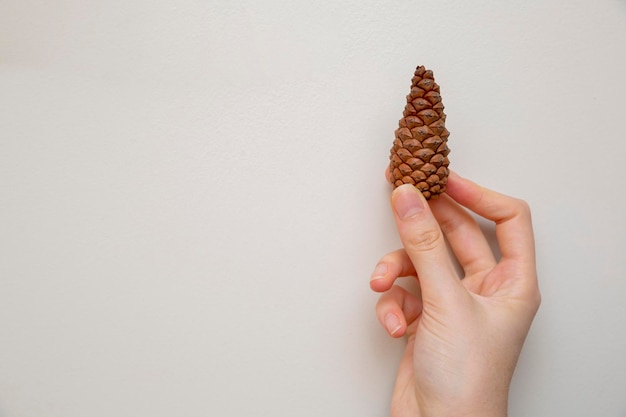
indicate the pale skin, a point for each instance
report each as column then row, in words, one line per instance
column 464, row 334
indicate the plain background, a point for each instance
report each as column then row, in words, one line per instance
column 192, row 197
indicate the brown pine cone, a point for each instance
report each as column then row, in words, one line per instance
column 419, row 155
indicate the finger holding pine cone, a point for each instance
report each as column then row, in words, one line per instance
column 419, row 155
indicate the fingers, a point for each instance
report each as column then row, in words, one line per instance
column 464, row 235
column 397, row 309
column 512, row 217
column 424, row 243
column 391, row 266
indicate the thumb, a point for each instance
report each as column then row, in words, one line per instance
column 424, row 243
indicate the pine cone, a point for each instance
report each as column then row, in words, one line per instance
column 420, row 151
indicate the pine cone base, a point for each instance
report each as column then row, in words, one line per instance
column 419, row 155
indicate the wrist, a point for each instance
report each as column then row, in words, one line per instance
column 487, row 412
column 493, row 408
column 474, row 398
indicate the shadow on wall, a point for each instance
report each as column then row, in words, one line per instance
column 489, row 231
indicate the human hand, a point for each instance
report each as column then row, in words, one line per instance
column 464, row 336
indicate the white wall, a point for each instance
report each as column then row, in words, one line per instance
column 192, row 197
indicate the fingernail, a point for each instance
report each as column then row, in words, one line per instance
column 379, row 272
column 392, row 323
column 407, row 201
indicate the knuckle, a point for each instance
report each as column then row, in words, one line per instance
column 424, row 241
column 522, row 207
column 536, row 300
column 448, row 226
column 533, row 299
column 514, row 208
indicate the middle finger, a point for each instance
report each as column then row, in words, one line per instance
column 464, row 235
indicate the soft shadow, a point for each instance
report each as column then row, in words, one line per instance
column 489, row 230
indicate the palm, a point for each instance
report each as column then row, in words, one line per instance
column 422, row 348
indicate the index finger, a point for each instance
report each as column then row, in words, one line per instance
column 512, row 217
